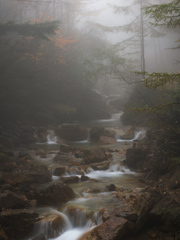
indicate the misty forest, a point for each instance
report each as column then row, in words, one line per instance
column 89, row 120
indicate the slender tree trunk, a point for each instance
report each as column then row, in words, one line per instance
column 142, row 41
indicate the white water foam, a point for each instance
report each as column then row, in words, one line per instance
column 139, row 135
column 51, row 138
column 79, row 224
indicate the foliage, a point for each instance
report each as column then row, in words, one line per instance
column 167, row 112
column 165, row 14
column 40, row 30
column 154, row 80
column 170, row 215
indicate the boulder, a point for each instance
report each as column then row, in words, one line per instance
column 66, row 148
column 15, row 179
column 73, row 132
column 54, row 194
column 109, row 133
column 98, row 132
column 51, row 225
column 63, row 158
column 59, row 171
column 143, row 205
column 128, row 132
column 112, row 229
column 39, row 174
column 166, row 213
column 84, row 178
column 111, row 187
column 135, row 158
column 95, row 133
column 72, row 179
column 26, row 135
column 119, row 212
column 18, row 224
column 106, row 140
column 101, row 166
column 76, row 162
column 35, row 174
column 9, row 200
column 94, row 155
column 41, row 135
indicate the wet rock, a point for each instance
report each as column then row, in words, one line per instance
column 72, row 179
column 112, row 229
column 55, row 194
column 102, row 166
column 166, row 214
column 135, row 158
column 119, row 212
column 106, row 140
column 95, row 133
column 94, row 155
column 26, row 135
column 93, row 190
column 76, row 162
column 78, row 154
column 18, row 224
column 73, row 132
column 128, row 132
column 41, row 135
column 9, row 200
column 51, row 225
column 66, row 148
column 63, row 158
column 75, row 171
column 84, row 178
column 14, row 179
column 59, row 171
column 111, row 187
column 39, row 174
column 143, row 205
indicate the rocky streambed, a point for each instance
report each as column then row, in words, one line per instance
column 68, row 191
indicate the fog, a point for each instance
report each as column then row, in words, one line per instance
column 89, row 119
column 159, row 55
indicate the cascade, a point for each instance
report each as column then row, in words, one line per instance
column 92, row 195
column 51, row 138
column 139, row 135
column 75, row 225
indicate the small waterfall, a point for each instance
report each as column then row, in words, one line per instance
column 51, row 138
column 75, row 223
column 51, row 230
column 78, row 218
column 139, row 135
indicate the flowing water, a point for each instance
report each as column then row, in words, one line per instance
column 90, row 195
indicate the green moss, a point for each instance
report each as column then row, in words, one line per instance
column 170, row 215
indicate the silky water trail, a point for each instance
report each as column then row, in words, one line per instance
column 92, row 195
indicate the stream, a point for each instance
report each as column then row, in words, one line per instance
column 91, row 196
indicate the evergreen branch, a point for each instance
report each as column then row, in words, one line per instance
column 40, row 30
column 165, row 14
column 153, row 109
column 155, row 80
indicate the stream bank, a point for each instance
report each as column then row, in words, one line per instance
column 48, row 187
